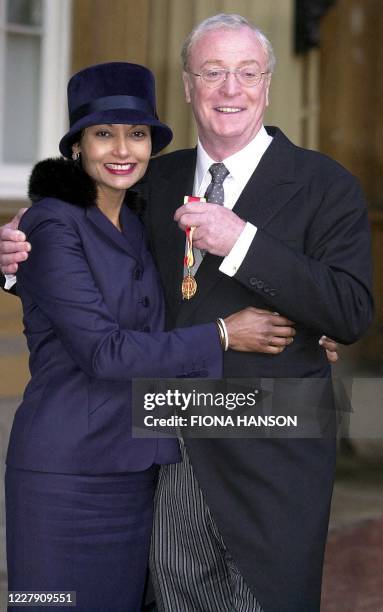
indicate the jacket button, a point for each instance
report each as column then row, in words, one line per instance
column 137, row 274
column 145, row 301
column 273, row 292
column 260, row 284
column 253, row 280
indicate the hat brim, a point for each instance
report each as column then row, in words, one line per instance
column 161, row 133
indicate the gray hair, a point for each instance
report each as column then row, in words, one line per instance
column 228, row 21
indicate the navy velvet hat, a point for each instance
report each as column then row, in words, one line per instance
column 115, row 92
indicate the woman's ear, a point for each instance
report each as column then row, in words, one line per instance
column 76, row 149
column 76, row 152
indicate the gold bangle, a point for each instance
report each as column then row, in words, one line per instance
column 223, row 335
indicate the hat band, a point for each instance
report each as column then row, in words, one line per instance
column 111, row 103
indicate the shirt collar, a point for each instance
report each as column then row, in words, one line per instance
column 241, row 164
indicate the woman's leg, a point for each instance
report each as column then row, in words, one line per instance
column 88, row 534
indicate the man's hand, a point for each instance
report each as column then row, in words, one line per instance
column 13, row 245
column 331, row 348
column 217, row 228
column 259, row 331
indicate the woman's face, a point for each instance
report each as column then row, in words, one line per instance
column 115, row 155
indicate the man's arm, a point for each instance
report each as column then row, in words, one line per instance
column 326, row 288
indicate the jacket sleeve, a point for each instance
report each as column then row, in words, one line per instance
column 58, row 280
column 327, row 287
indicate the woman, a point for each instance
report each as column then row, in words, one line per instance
column 79, row 488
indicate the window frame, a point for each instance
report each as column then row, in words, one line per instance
column 55, row 67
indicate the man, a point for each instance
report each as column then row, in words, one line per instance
column 242, row 525
column 296, row 242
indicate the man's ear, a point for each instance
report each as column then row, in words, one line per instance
column 268, row 76
column 187, row 86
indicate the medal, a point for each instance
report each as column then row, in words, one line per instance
column 189, row 287
column 189, row 283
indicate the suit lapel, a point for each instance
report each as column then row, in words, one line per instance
column 272, row 184
column 130, row 240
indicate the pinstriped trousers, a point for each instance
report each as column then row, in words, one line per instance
column 192, row 570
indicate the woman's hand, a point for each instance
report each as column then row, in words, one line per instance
column 259, row 331
column 262, row 331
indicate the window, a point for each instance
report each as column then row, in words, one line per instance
column 34, row 66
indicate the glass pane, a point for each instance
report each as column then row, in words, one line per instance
column 21, row 93
column 26, row 12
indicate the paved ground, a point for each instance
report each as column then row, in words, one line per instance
column 353, row 576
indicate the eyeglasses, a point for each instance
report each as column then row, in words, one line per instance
column 250, row 76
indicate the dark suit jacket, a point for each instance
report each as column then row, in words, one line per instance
column 93, row 316
column 310, row 260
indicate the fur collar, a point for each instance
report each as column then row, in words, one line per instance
column 66, row 180
column 62, row 179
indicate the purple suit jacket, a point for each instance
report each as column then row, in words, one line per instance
column 94, row 319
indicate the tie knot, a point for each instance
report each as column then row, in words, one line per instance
column 218, row 172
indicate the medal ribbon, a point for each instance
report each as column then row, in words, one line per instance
column 189, row 257
column 189, row 285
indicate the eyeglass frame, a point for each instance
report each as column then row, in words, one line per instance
column 227, row 72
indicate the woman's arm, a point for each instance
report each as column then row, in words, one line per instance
column 15, row 249
column 58, row 279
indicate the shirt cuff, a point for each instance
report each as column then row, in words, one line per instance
column 10, row 280
column 233, row 260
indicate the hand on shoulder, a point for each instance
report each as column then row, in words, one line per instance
column 13, row 245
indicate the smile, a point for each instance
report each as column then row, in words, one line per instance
column 120, row 168
column 228, row 109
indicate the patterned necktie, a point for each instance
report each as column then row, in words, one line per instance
column 214, row 192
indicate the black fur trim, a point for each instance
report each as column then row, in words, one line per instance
column 65, row 180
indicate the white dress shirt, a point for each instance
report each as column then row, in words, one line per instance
column 241, row 166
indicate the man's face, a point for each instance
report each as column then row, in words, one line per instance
column 228, row 116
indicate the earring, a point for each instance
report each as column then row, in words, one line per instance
column 75, row 156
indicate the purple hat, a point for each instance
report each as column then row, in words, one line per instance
column 115, row 92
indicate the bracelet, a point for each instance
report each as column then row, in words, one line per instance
column 223, row 335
